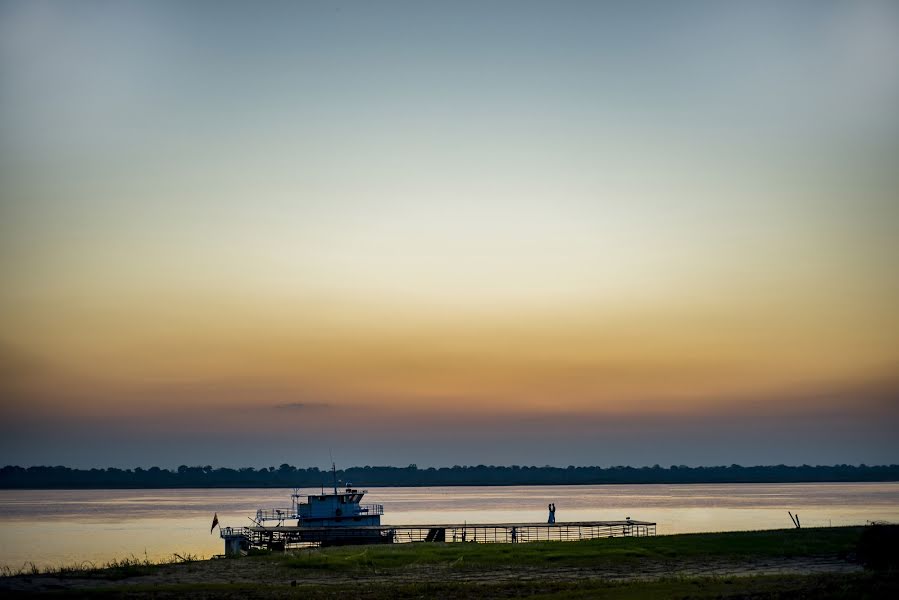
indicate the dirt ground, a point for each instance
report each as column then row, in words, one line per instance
column 264, row 571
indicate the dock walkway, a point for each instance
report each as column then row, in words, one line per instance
column 283, row 536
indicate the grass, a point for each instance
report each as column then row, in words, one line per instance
column 463, row 571
column 831, row 541
column 120, row 568
column 840, row 541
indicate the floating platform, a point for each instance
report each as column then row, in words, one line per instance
column 239, row 539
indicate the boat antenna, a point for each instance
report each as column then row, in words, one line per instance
column 295, row 500
column 333, row 471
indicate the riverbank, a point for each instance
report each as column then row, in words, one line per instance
column 288, row 476
column 811, row 562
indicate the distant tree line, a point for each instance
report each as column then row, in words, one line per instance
column 287, row 476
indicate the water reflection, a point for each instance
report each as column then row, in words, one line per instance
column 68, row 526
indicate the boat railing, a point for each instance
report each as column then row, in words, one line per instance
column 281, row 514
column 371, row 509
column 275, row 514
column 305, row 511
column 226, row 532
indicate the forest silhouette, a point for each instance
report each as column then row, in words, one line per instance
column 59, row 477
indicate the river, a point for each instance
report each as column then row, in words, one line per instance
column 56, row 527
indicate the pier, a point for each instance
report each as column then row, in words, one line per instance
column 279, row 538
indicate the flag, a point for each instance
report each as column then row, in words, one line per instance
column 215, row 521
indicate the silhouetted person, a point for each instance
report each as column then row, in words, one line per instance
column 552, row 513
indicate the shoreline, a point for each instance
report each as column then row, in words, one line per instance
column 288, row 476
column 441, row 485
column 779, row 559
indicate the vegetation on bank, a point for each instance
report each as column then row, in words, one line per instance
column 463, row 571
column 117, row 568
column 844, row 542
column 782, row 543
column 59, row 477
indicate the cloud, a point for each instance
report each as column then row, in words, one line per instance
column 302, row 406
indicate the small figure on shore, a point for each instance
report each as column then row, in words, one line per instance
column 552, row 513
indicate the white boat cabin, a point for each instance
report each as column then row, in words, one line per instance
column 340, row 509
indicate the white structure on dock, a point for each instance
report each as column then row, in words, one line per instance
column 339, row 518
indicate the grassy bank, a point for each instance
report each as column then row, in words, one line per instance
column 836, row 541
column 808, row 563
column 118, row 568
column 785, row 543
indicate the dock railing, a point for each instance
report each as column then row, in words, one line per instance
column 282, row 537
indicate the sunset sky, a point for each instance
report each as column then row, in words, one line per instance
column 550, row 232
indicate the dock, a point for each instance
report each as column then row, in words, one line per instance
column 283, row 537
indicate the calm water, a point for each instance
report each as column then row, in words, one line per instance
column 65, row 527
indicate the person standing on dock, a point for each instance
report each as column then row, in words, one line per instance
column 552, row 513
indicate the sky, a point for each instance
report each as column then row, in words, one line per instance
column 532, row 232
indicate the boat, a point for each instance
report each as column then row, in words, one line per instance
column 339, row 518
column 326, row 519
